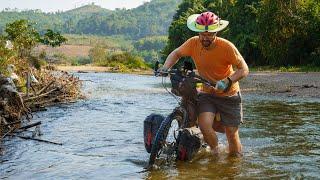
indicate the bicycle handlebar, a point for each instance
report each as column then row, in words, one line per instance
column 188, row 74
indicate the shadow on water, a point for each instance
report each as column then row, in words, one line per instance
column 102, row 138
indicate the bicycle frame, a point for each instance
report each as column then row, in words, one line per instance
column 183, row 85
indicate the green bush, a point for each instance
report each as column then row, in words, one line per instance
column 80, row 61
column 131, row 61
column 123, row 59
column 5, row 54
column 97, row 55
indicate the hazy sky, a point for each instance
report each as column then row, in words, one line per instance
column 55, row 5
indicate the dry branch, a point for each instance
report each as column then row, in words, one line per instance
column 37, row 139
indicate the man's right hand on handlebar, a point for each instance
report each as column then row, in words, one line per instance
column 163, row 71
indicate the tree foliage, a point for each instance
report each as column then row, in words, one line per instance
column 266, row 32
column 150, row 47
column 121, row 60
column 5, row 53
column 52, row 38
column 23, row 36
column 151, row 18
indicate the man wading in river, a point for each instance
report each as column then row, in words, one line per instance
column 214, row 58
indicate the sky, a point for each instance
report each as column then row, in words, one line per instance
column 63, row 5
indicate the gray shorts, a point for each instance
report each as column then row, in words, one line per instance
column 229, row 107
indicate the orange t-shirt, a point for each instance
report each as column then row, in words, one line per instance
column 213, row 64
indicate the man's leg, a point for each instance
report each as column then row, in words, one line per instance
column 235, row 147
column 205, row 124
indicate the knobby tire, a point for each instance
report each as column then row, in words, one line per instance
column 159, row 139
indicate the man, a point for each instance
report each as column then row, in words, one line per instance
column 214, row 57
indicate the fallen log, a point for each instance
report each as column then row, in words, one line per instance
column 41, row 95
column 45, row 87
column 14, row 128
column 30, row 125
column 37, row 139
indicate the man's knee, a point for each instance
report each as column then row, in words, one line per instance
column 232, row 133
column 205, row 120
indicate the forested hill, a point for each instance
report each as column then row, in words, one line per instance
column 151, row 18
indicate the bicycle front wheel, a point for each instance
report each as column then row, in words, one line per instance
column 164, row 136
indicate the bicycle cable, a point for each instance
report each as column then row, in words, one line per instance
column 164, row 86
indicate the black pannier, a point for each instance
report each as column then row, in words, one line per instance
column 150, row 127
column 189, row 143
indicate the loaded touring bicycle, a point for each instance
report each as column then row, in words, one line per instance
column 177, row 135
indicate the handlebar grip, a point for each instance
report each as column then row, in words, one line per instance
column 161, row 73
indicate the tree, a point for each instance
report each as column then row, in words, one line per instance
column 52, row 38
column 5, row 54
column 23, row 36
column 288, row 28
column 242, row 16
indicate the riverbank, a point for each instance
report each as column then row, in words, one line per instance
column 268, row 83
column 282, row 84
column 100, row 69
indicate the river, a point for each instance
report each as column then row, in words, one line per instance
column 102, row 137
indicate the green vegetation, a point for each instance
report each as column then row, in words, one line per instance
column 114, row 43
column 52, row 38
column 80, row 61
column 24, row 38
column 5, row 54
column 152, row 18
column 150, row 47
column 120, row 61
column 267, row 32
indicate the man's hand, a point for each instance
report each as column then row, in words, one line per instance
column 224, row 85
column 163, row 71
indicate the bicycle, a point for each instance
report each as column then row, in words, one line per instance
column 184, row 116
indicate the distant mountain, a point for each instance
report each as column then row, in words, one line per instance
column 151, row 18
column 87, row 9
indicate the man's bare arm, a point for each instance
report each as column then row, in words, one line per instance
column 172, row 59
column 241, row 72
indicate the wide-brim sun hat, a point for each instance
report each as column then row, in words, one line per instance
column 206, row 22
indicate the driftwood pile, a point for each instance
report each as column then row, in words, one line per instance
column 52, row 87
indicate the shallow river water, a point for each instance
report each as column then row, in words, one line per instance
column 102, row 137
